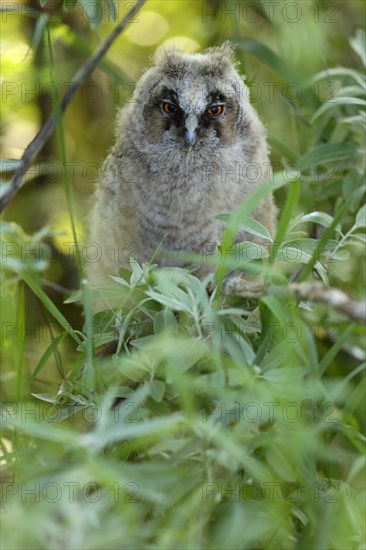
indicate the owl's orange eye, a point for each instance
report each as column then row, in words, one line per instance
column 169, row 107
column 215, row 110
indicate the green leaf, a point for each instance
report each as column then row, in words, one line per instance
column 341, row 341
column 358, row 237
column 361, row 217
column 165, row 320
column 92, row 9
column 276, row 307
column 45, row 430
column 296, row 254
column 354, row 187
column 337, row 102
column 325, row 153
column 337, row 72
column 290, row 205
column 39, row 31
column 46, row 355
column 66, row 412
column 317, row 217
column 323, row 241
column 21, row 340
column 350, row 91
column 137, row 274
column 89, row 372
column 47, row 397
column 158, row 428
column 112, row 9
column 278, row 180
column 88, row 376
column 49, row 305
column 120, row 281
column 157, row 389
column 358, row 44
column 250, row 226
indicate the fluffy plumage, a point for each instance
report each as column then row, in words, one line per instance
column 188, row 146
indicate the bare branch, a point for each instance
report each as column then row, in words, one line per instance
column 240, row 286
column 79, row 77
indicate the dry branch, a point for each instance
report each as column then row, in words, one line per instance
column 239, row 286
column 79, row 77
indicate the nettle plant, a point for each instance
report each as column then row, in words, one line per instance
column 213, row 420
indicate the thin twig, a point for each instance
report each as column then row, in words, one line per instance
column 79, row 77
column 240, row 286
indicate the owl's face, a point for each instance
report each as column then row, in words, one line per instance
column 191, row 103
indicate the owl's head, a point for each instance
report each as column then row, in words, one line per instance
column 190, row 102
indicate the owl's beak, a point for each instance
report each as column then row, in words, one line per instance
column 190, row 134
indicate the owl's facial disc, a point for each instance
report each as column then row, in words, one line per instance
column 190, row 120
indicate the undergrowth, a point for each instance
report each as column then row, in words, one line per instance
column 183, row 419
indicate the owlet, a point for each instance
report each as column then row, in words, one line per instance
column 188, row 147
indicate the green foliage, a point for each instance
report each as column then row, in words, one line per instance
column 176, row 418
